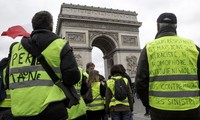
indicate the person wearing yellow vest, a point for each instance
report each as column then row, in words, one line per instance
column 5, row 104
column 78, row 112
column 119, row 110
column 167, row 78
column 91, row 66
column 95, row 109
column 34, row 96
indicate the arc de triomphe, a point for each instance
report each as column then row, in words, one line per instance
column 114, row 32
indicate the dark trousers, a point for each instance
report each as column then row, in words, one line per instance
column 83, row 117
column 5, row 114
column 157, row 114
column 55, row 111
column 95, row 115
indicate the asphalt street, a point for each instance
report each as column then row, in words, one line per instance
column 139, row 111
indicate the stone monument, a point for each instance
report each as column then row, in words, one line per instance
column 114, row 32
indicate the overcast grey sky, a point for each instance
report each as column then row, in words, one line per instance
column 20, row 12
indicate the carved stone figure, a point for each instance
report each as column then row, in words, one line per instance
column 129, row 40
column 76, row 37
column 79, row 60
column 131, row 65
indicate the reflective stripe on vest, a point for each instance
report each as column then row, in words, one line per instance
column 98, row 103
column 173, row 74
column 32, row 79
column 111, row 85
column 31, row 88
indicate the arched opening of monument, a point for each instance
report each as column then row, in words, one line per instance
column 107, row 46
column 97, row 59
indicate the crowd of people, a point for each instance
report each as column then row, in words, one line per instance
column 34, row 78
column 167, row 79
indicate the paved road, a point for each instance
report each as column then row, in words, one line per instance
column 139, row 111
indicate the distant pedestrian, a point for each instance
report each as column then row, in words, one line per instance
column 95, row 109
column 119, row 110
column 91, row 66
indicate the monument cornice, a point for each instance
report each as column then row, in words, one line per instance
column 96, row 25
column 99, row 15
column 100, row 9
column 102, row 20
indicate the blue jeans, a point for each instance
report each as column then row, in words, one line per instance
column 121, row 115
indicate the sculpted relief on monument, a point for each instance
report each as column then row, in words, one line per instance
column 76, row 37
column 129, row 40
column 79, row 60
column 131, row 65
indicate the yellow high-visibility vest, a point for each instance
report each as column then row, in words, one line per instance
column 98, row 102
column 31, row 88
column 173, row 83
